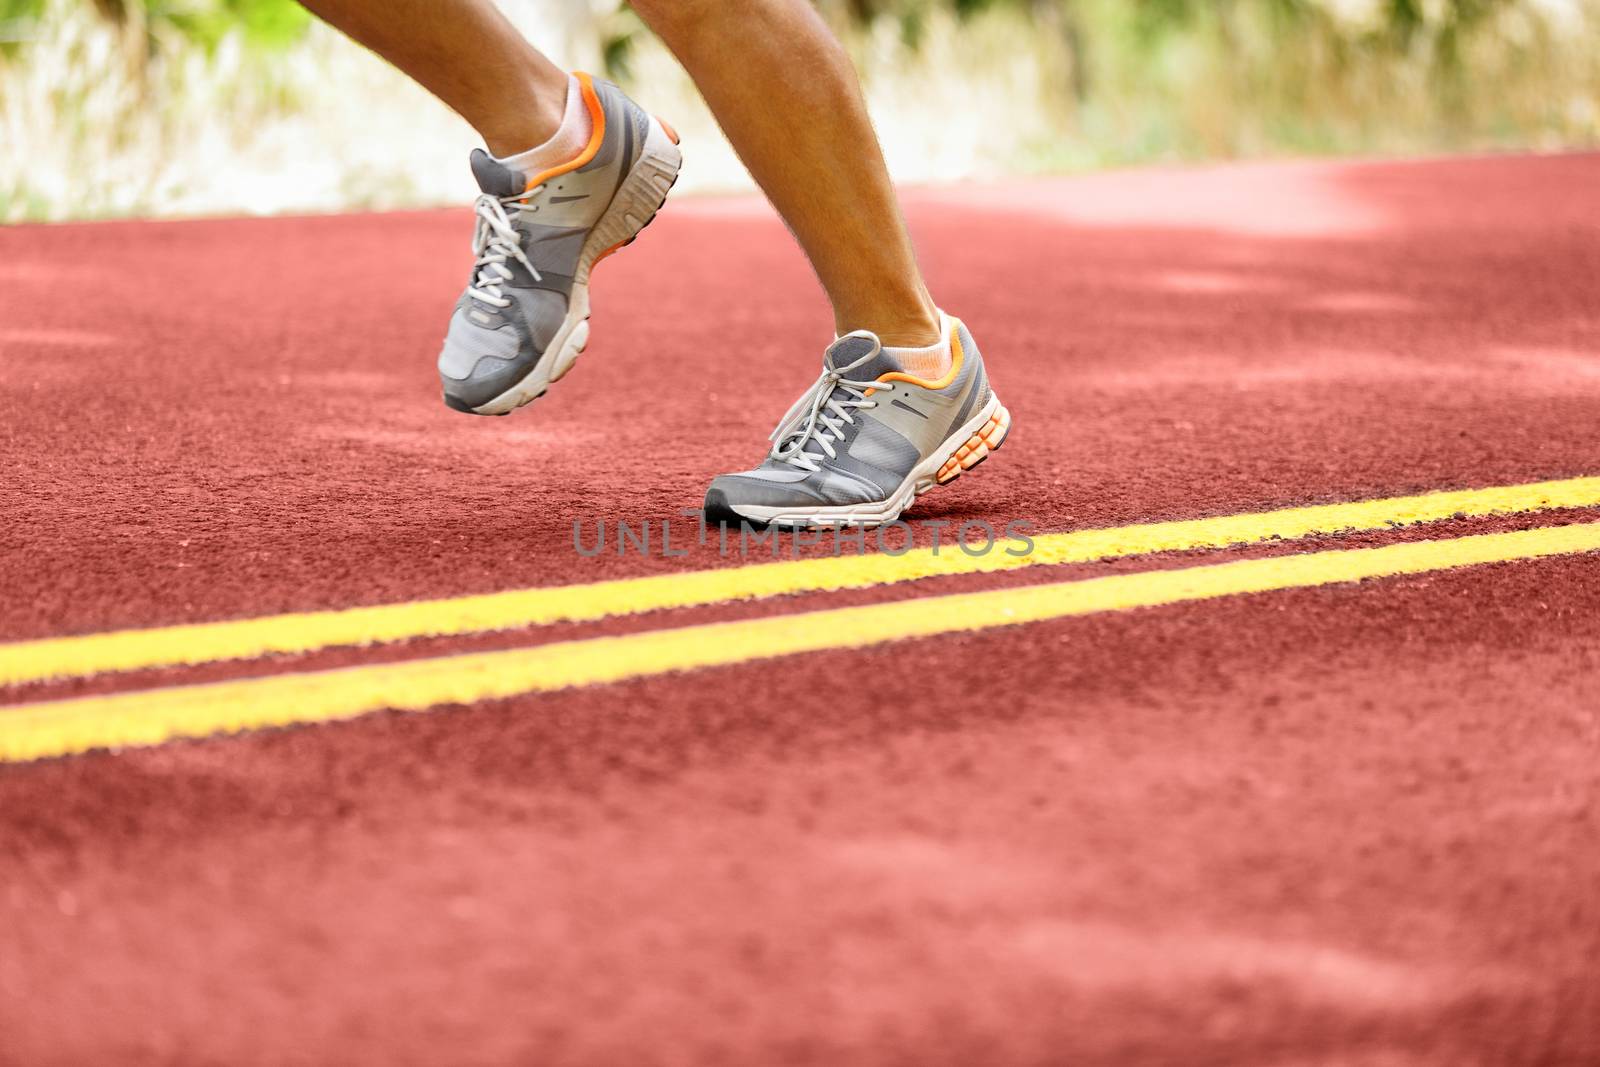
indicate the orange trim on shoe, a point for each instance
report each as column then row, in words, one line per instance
column 949, row 375
column 672, row 134
column 619, row 246
column 597, row 116
column 977, row 447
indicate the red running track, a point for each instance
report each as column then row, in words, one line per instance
column 1350, row 825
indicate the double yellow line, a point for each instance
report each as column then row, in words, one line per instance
column 54, row 728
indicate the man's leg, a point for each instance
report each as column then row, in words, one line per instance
column 575, row 170
column 468, row 55
column 775, row 77
column 784, row 92
column 904, row 402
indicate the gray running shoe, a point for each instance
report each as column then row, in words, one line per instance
column 867, row 439
column 525, row 314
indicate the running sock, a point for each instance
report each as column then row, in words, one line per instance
column 932, row 362
column 569, row 140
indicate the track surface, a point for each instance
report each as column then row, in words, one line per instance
column 1345, row 825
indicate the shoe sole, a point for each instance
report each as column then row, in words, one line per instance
column 634, row 207
column 961, row 451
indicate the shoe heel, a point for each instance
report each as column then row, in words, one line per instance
column 976, row 448
column 637, row 200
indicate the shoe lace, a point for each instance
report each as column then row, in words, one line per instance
column 496, row 241
column 820, row 415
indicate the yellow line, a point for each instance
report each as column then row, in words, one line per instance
column 126, row 650
column 34, row 731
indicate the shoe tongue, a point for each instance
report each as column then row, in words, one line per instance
column 861, row 355
column 494, row 177
column 858, row 356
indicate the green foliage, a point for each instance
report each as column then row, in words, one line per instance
column 619, row 32
column 18, row 10
column 18, row 19
column 1094, row 82
column 1403, row 23
column 1437, row 28
column 1432, row 37
column 262, row 24
column 269, row 23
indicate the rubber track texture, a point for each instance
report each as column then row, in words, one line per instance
column 1350, row 824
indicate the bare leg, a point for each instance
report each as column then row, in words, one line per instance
column 774, row 76
column 468, row 55
column 786, row 95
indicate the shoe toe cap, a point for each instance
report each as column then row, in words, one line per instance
column 481, row 360
column 718, row 508
column 731, row 495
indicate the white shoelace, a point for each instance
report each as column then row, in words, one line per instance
column 795, row 430
column 496, row 240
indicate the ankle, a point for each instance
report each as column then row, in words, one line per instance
column 910, row 337
column 931, row 361
column 913, row 321
column 898, row 331
column 523, row 120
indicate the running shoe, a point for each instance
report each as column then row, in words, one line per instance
column 525, row 314
column 867, row 439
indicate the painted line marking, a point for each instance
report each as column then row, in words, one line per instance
column 190, row 644
column 149, row 717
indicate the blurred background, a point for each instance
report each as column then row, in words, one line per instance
column 183, row 107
